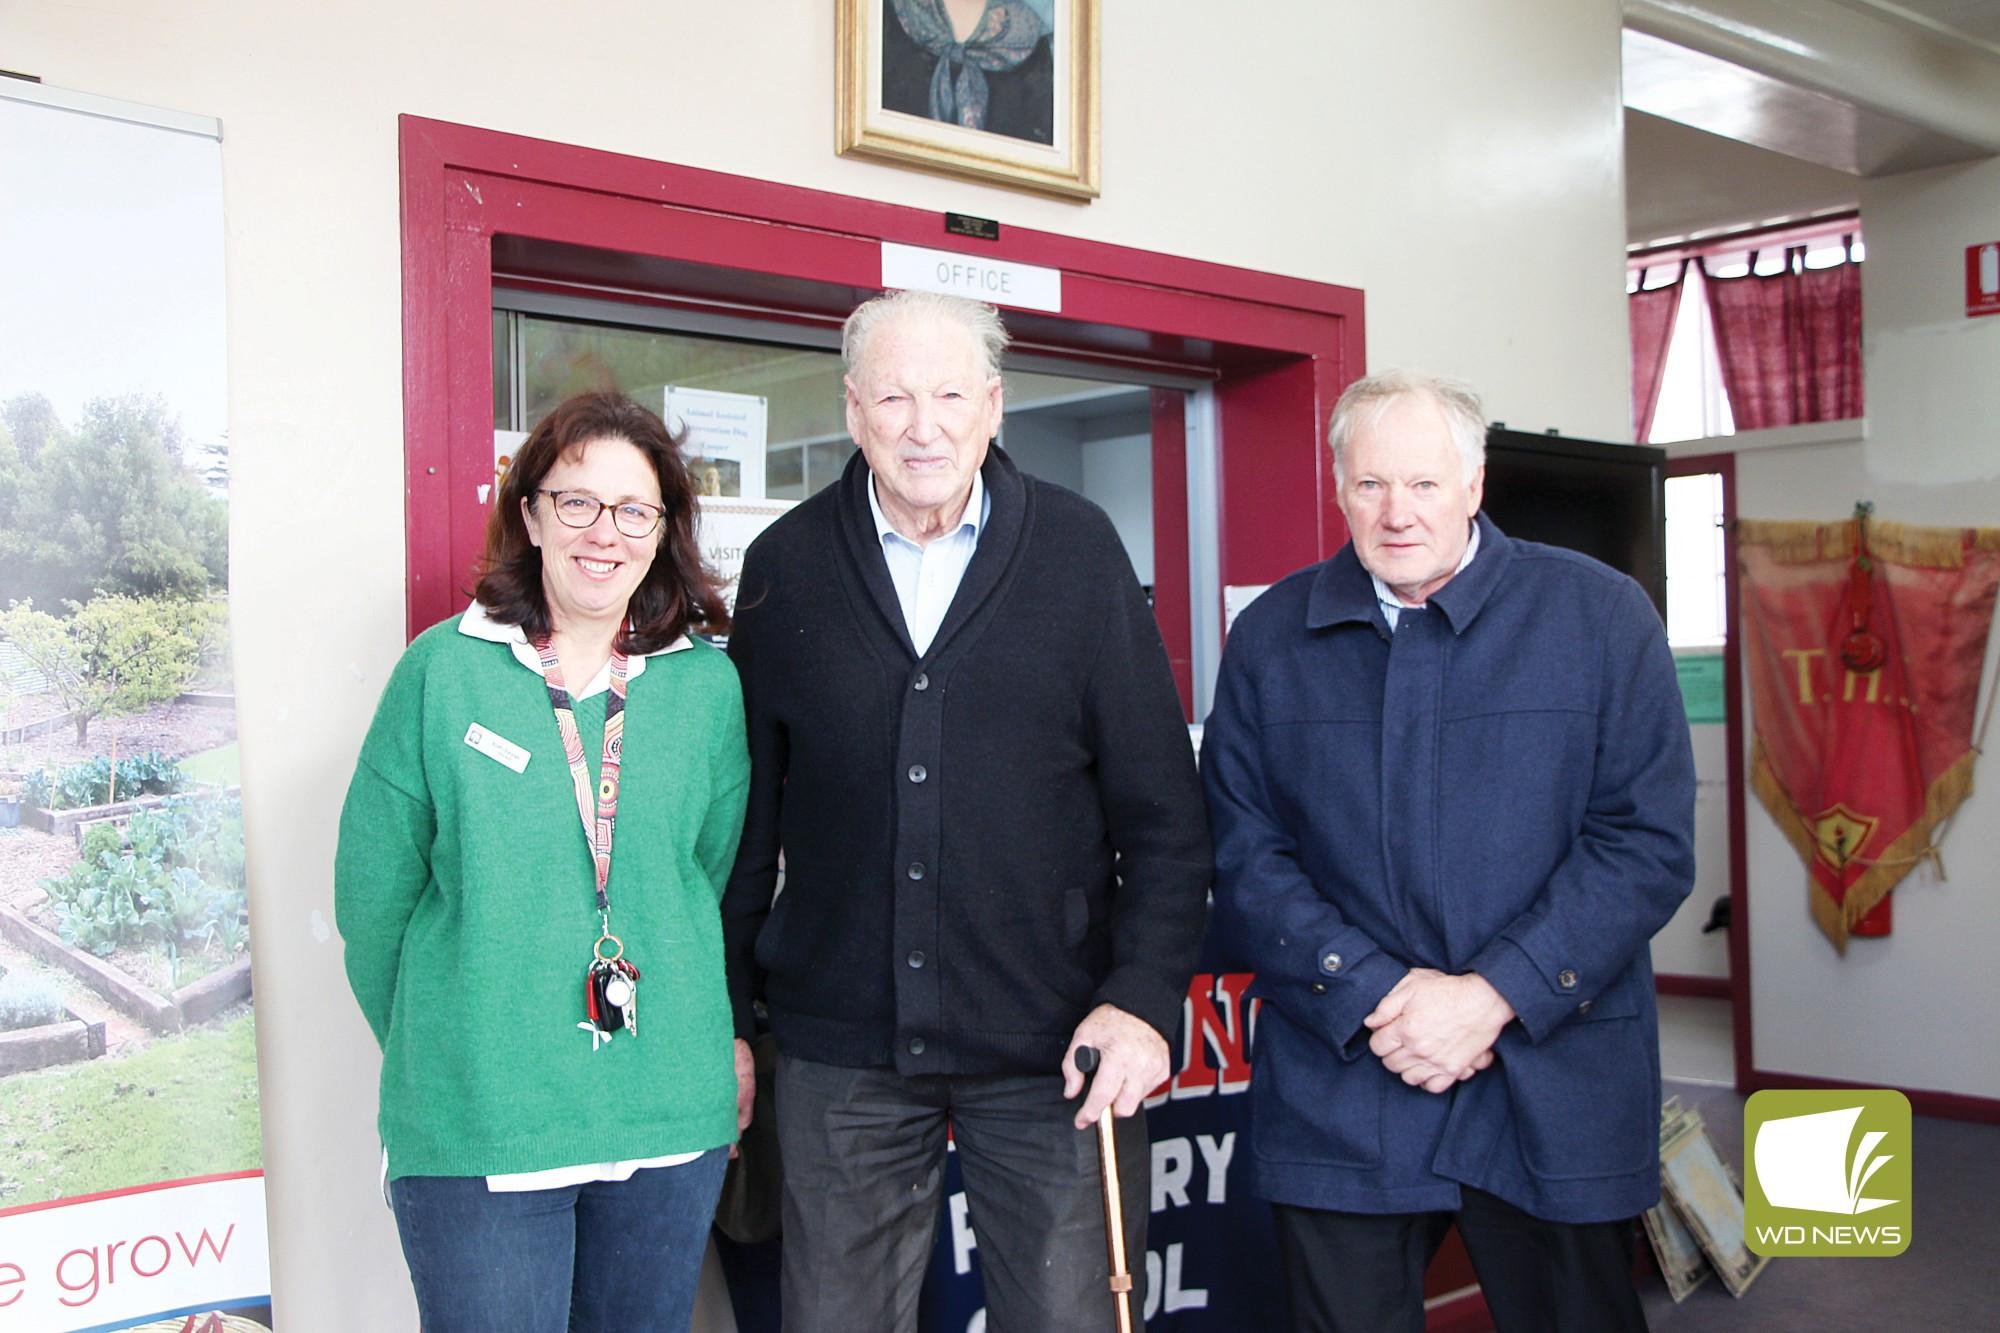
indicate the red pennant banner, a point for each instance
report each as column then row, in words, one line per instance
column 1864, row 643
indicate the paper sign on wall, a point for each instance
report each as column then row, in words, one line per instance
column 506, row 444
column 1235, row 597
column 1700, row 676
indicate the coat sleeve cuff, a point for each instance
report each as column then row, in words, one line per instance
column 1543, row 997
column 1333, row 1004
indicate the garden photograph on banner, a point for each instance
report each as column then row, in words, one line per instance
column 131, row 1188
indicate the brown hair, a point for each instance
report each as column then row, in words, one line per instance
column 679, row 593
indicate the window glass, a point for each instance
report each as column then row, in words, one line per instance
column 1089, row 435
column 1696, row 609
column 1693, row 404
column 803, row 419
column 503, row 371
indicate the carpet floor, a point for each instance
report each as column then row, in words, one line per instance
column 1948, row 1281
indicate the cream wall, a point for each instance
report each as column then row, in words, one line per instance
column 1917, row 1009
column 1460, row 163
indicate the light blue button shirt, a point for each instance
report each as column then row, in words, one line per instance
column 1392, row 605
column 927, row 577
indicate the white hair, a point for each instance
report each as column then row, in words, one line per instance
column 977, row 318
column 1368, row 398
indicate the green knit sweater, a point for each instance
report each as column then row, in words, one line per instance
column 465, row 895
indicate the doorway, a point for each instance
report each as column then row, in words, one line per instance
column 1240, row 369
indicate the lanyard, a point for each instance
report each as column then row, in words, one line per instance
column 601, row 814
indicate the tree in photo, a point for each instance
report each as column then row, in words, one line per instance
column 111, row 506
column 114, row 655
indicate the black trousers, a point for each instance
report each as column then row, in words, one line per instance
column 864, row 1153
column 1364, row 1272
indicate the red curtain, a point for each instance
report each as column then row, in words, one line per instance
column 1653, row 311
column 1790, row 342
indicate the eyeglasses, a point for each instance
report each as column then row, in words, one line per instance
column 579, row 509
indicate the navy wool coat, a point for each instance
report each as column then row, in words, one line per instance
column 1503, row 785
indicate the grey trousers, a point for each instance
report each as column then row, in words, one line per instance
column 864, row 1155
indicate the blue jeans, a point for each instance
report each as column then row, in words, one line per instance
column 611, row 1255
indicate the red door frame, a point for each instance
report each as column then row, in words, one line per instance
column 1279, row 349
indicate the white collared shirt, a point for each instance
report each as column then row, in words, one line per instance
column 927, row 576
column 1392, row 605
column 475, row 623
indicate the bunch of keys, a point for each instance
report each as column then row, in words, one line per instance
column 610, row 994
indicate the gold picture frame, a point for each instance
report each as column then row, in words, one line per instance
column 1056, row 157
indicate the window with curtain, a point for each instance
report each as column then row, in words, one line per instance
column 1761, row 332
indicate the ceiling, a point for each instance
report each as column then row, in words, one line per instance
column 1865, row 87
column 1977, row 19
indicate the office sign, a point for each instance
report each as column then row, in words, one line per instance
column 996, row 281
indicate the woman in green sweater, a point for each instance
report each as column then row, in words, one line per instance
column 531, row 854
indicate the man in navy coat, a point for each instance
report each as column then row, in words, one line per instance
column 1452, row 796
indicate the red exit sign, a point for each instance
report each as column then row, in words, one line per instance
column 1982, row 279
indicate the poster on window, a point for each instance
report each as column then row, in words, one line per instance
column 726, row 434
column 131, row 1186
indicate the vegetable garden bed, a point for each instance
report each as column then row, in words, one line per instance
column 59, row 1043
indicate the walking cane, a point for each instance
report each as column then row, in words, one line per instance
column 1114, row 1207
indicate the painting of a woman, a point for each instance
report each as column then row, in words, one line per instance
column 980, row 64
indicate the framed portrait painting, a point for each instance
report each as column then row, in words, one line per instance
column 1003, row 92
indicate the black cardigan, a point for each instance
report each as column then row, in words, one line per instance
column 981, row 844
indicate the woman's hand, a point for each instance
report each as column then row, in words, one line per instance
column 746, row 1087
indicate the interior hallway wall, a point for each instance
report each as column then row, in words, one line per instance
column 1901, row 1010
column 1460, row 163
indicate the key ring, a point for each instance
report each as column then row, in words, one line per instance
column 598, row 948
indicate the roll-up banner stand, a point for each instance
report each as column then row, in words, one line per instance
column 131, row 1186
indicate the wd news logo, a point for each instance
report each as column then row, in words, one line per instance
column 1829, row 1172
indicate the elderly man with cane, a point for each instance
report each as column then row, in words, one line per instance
column 967, row 746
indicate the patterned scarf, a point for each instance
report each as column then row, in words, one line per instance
column 1004, row 36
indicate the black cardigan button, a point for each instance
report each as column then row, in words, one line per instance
column 921, row 683
column 918, row 772
column 916, row 870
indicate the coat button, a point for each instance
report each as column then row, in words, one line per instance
column 918, row 772
column 1330, row 962
column 1566, row 979
column 921, row 683
column 1319, row 988
column 916, row 870
column 916, row 1046
column 1584, row 1008
column 916, row 959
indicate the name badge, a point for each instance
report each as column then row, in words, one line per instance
column 497, row 748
